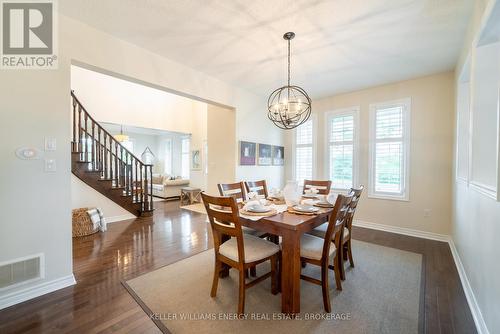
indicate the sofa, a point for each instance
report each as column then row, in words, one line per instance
column 165, row 186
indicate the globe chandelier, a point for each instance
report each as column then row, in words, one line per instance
column 289, row 106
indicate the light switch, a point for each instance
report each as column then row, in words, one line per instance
column 50, row 144
column 50, row 165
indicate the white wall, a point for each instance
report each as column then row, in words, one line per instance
column 36, row 206
column 83, row 196
column 255, row 127
column 430, row 151
column 476, row 215
column 35, row 104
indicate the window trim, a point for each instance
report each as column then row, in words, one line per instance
column 405, row 196
column 355, row 111
column 165, row 141
column 188, row 153
column 314, row 119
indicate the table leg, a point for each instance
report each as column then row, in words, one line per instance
column 290, row 275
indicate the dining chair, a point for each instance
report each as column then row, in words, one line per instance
column 346, row 238
column 320, row 251
column 260, row 187
column 346, row 248
column 241, row 251
column 236, row 190
column 322, row 186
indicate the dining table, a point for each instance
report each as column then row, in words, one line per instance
column 290, row 227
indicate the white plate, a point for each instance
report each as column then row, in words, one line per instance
column 258, row 208
column 310, row 196
column 305, row 208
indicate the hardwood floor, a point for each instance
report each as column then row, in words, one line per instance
column 100, row 304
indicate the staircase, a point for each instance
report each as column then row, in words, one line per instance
column 100, row 161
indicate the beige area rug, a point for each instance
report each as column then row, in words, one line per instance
column 197, row 207
column 381, row 295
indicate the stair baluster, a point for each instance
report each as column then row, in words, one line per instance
column 103, row 163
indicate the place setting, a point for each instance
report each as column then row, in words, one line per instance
column 258, row 206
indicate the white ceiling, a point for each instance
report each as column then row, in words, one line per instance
column 341, row 45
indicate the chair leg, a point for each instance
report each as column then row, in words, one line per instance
column 215, row 282
column 339, row 258
column 349, row 252
column 280, row 266
column 338, row 274
column 253, row 271
column 241, row 300
column 325, row 288
column 274, row 274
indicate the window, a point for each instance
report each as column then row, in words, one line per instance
column 389, row 150
column 484, row 120
column 185, row 158
column 167, row 168
column 304, row 152
column 129, row 145
column 342, row 147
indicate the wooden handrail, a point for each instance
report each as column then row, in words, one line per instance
column 109, row 157
column 103, row 129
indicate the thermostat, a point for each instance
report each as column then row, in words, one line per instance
column 28, row 153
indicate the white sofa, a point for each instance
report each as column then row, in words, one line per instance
column 165, row 187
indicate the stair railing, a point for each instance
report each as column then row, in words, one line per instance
column 107, row 156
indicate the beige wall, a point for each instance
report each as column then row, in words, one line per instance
column 221, row 147
column 430, row 155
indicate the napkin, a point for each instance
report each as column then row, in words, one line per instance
column 308, row 202
column 312, row 191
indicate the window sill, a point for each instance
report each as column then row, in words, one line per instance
column 389, row 197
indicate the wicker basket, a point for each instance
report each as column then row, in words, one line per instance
column 82, row 225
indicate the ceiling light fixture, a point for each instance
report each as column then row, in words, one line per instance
column 121, row 137
column 289, row 106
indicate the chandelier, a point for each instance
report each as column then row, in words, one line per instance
column 121, row 137
column 289, row 106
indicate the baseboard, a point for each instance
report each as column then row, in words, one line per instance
column 402, row 230
column 120, row 218
column 35, row 291
column 469, row 293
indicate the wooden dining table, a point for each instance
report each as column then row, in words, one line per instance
column 290, row 227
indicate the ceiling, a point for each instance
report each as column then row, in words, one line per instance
column 341, row 45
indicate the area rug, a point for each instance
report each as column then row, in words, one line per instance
column 380, row 295
column 197, row 207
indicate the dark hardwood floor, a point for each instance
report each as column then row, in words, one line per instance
column 98, row 303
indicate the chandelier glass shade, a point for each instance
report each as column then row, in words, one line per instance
column 289, row 106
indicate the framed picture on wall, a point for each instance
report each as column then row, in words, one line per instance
column 265, row 155
column 278, row 155
column 247, row 153
column 195, row 160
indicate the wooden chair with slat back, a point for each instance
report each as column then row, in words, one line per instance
column 260, row 187
column 241, row 251
column 236, row 190
column 322, row 186
column 346, row 238
column 319, row 251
